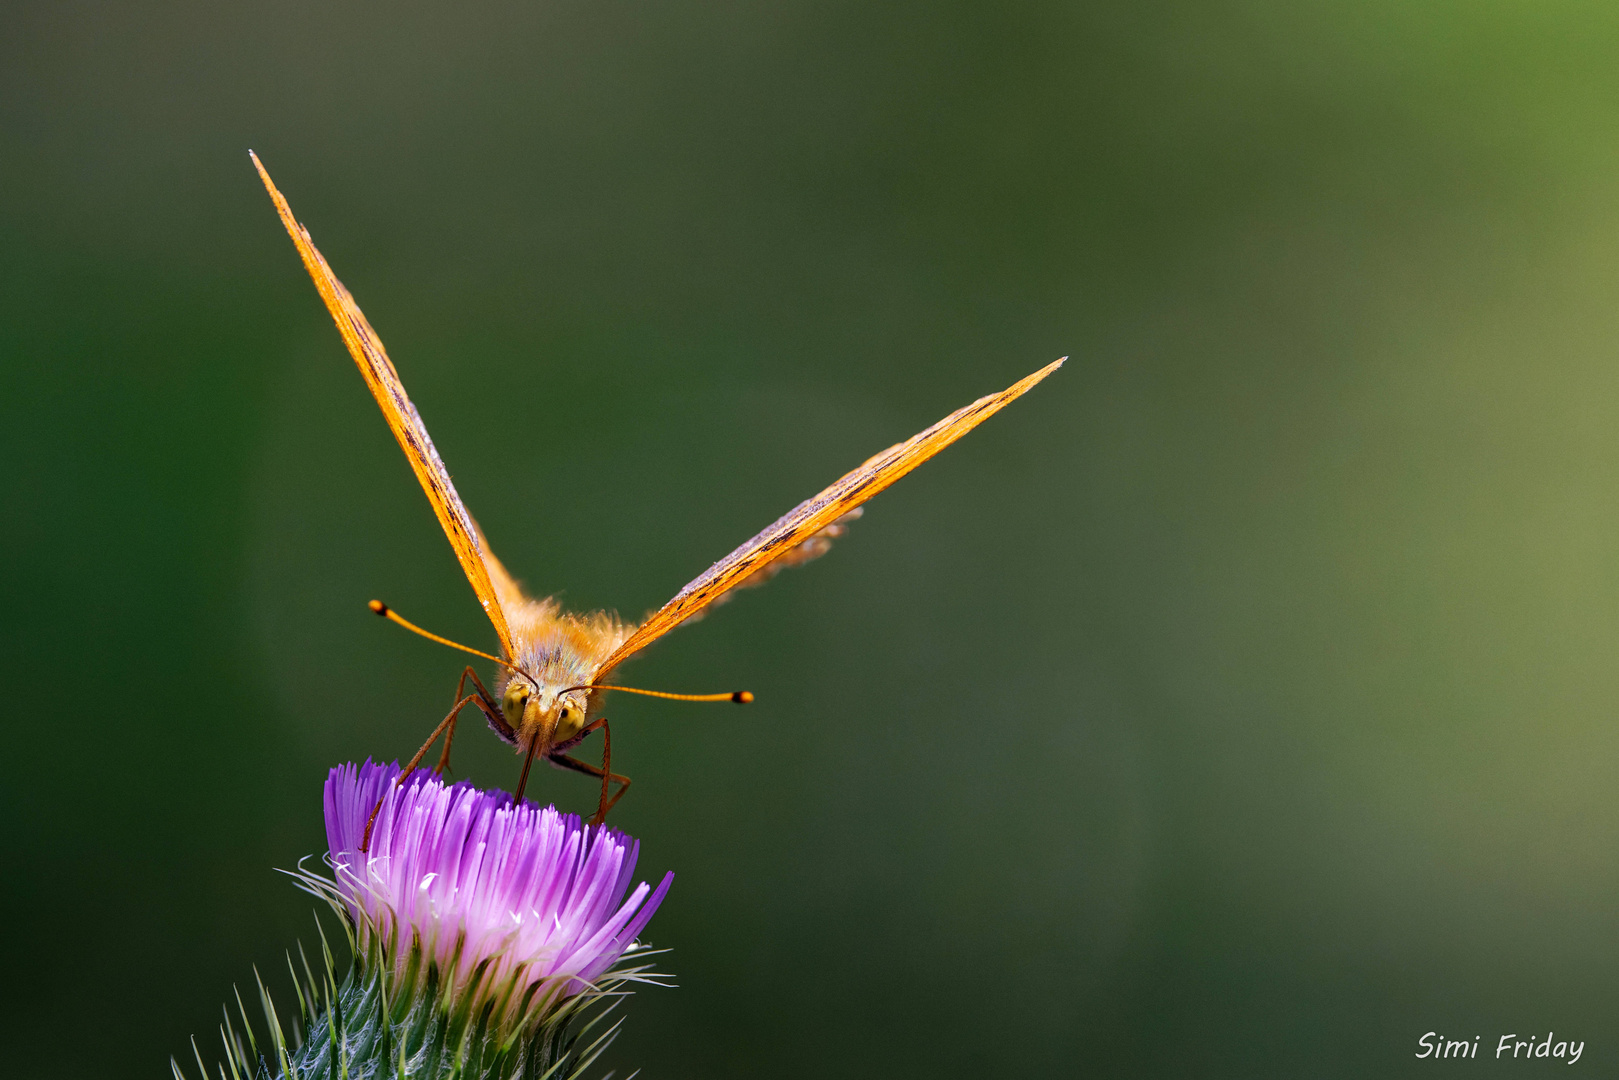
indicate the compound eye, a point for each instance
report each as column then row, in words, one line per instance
column 568, row 723
column 512, row 703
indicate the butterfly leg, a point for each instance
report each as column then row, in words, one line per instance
column 486, row 705
column 447, row 725
column 566, row 761
column 446, row 728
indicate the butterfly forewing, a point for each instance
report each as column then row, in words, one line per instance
column 814, row 514
column 406, row 424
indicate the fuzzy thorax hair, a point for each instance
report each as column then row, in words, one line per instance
column 557, row 650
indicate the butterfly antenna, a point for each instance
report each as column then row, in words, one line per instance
column 741, row 697
column 393, row 616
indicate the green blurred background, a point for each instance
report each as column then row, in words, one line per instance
column 1239, row 703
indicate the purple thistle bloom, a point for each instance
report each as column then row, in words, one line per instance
column 518, row 903
column 487, row 940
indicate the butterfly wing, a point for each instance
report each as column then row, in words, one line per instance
column 818, row 544
column 380, row 376
column 507, row 590
column 811, row 516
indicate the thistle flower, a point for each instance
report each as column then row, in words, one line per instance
column 480, row 929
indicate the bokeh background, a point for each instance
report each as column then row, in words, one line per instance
column 1242, row 702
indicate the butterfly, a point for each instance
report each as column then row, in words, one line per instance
column 555, row 666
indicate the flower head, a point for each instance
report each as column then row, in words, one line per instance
column 483, row 931
column 487, row 889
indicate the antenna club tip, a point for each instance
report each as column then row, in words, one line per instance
column 742, row 697
column 378, row 607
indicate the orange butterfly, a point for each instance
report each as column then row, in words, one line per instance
column 554, row 664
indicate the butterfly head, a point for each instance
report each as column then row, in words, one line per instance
column 552, row 715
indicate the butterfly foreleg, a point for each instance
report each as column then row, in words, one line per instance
column 446, row 728
column 486, row 705
column 565, row 761
column 479, row 697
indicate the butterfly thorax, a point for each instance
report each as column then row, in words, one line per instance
column 556, row 653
